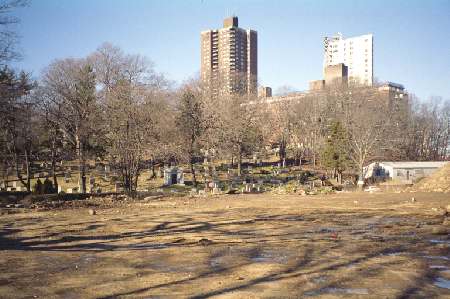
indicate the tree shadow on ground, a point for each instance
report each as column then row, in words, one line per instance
column 257, row 233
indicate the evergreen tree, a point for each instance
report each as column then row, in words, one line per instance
column 335, row 154
column 38, row 187
column 47, row 186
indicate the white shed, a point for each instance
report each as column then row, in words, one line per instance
column 405, row 172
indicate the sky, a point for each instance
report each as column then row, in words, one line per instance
column 411, row 37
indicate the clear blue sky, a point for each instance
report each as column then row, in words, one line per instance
column 411, row 37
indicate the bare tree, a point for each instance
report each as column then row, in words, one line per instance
column 18, row 116
column 191, row 123
column 8, row 36
column 427, row 135
column 308, row 126
column 367, row 123
column 237, row 128
column 69, row 89
column 136, row 100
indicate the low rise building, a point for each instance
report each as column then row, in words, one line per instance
column 336, row 74
column 316, row 85
column 395, row 95
column 264, row 92
column 403, row 172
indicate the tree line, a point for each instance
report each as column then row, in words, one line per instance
column 114, row 106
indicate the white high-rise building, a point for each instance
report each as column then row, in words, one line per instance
column 356, row 53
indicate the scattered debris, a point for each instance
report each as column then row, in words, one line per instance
column 204, row 242
column 440, row 211
column 92, row 212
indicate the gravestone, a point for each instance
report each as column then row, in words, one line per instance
column 118, row 187
column 72, row 190
column 67, row 176
column 193, row 192
column 216, row 191
column 17, row 184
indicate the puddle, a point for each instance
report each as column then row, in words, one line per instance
column 270, row 257
column 440, row 242
column 339, row 291
column 438, row 267
column 320, row 279
column 220, row 261
column 442, row 283
column 148, row 246
column 293, row 218
column 169, row 268
column 394, row 253
column 88, row 259
column 437, row 257
column 327, row 230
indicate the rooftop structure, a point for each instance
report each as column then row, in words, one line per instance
column 356, row 53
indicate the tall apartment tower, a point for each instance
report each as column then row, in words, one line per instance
column 356, row 53
column 229, row 58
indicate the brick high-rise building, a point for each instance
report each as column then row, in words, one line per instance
column 229, row 58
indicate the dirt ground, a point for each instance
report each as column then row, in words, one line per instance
column 231, row 246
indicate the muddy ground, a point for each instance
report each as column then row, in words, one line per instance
column 231, row 246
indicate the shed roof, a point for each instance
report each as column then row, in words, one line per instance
column 415, row 164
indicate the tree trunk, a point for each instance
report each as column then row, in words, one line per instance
column 27, row 165
column 19, row 176
column 239, row 161
column 361, row 177
column 339, row 177
column 314, row 159
column 55, row 179
column 135, row 184
column 194, row 179
column 282, row 153
column 153, row 169
column 81, row 165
